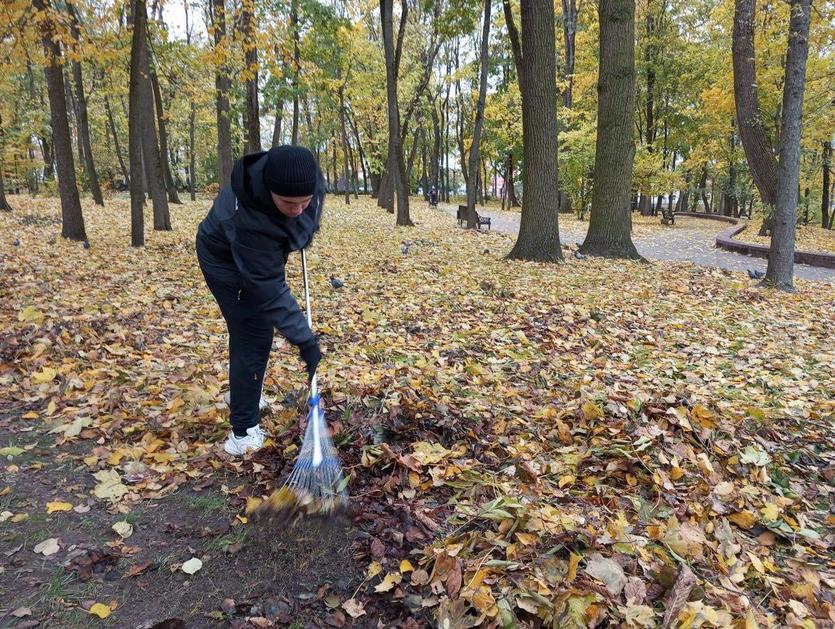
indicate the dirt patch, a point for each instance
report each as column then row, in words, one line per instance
column 299, row 575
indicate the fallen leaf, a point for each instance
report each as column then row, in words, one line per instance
column 608, row 571
column 47, row 547
column 110, row 485
column 123, row 528
column 354, row 608
column 102, row 611
column 192, row 565
column 677, row 596
column 388, row 582
column 20, row 612
column 52, row 507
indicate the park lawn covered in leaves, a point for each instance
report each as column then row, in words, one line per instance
column 569, row 445
column 811, row 237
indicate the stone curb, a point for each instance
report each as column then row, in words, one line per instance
column 725, row 240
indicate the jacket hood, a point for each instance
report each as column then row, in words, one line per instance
column 248, row 183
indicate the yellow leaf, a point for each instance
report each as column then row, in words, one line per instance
column 755, row 561
column 770, row 511
column 567, row 480
column 743, row 519
column 406, row 566
column 573, row 562
column 47, row 374
column 390, row 580
column 591, row 410
column 32, row 314
column 374, row 568
column 52, row 507
column 676, row 473
column 32, row 415
column 526, row 539
column 242, row 518
column 102, row 611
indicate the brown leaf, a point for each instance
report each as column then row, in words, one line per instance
column 635, row 590
column 677, row 596
column 137, row 569
column 378, row 549
column 336, row 619
column 454, row 580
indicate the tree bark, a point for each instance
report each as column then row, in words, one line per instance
column 81, row 112
column 135, row 131
column 755, row 143
column 294, row 21
column 610, row 226
column 535, row 58
column 780, row 270
column 112, row 125
column 72, row 219
column 150, row 149
column 396, row 167
column 165, row 166
column 253, row 126
column 473, row 168
column 222, row 85
column 827, row 169
column 192, row 161
column 279, row 117
column 4, row 203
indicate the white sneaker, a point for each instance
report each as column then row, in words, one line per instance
column 238, row 446
column 262, row 403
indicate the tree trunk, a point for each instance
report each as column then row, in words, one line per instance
column 72, row 219
column 222, row 86
column 780, row 269
column 512, row 201
column 192, row 162
column 294, row 21
column 150, row 149
column 396, row 169
column 135, row 131
column 250, row 74
column 168, row 177
column 279, row 117
column 827, row 169
column 434, row 166
column 81, row 112
column 4, row 203
column 111, row 123
column 355, row 131
column 569, row 28
column 473, row 167
column 539, row 237
column 610, row 225
column 758, row 152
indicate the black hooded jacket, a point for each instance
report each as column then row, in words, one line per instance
column 244, row 242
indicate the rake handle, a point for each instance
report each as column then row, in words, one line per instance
column 313, row 384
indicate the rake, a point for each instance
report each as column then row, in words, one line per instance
column 316, row 486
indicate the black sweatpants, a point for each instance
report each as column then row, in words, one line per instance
column 250, row 342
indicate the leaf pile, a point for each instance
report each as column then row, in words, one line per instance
column 643, row 445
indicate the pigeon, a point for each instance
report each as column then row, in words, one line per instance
column 580, row 256
column 86, row 244
column 16, row 242
column 485, row 252
column 754, row 274
column 405, row 248
column 336, row 283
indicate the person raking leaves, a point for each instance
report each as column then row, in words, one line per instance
column 271, row 208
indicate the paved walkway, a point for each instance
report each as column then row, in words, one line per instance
column 690, row 240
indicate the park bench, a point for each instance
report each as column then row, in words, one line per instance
column 480, row 220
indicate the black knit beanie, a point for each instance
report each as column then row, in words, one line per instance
column 291, row 171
